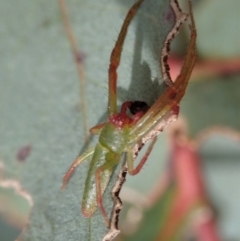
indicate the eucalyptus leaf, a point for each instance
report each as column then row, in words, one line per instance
column 39, row 99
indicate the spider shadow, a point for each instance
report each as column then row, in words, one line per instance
column 146, row 82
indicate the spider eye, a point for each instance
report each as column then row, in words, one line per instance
column 138, row 106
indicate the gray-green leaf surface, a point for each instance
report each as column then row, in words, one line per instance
column 40, row 102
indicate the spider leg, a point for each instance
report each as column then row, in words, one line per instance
column 130, row 158
column 108, row 166
column 172, row 96
column 125, row 107
column 86, row 155
column 115, row 60
column 97, row 129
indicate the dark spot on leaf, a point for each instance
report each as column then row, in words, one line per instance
column 80, row 57
column 46, row 23
column 170, row 16
column 23, row 153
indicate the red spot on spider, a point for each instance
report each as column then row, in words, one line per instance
column 23, row 153
column 120, row 120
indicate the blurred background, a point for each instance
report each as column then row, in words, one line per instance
column 208, row 129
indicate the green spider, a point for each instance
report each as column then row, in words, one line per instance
column 126, row 133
